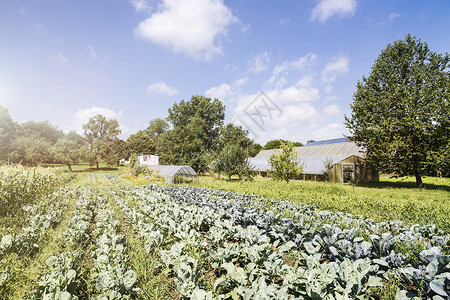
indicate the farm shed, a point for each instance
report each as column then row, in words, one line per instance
column 148, row 159
column 175, row 174
column 346, row 157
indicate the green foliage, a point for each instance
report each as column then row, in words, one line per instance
column 69, row 150
column 133, row 160
column 8, row 129
column 276, row 144
column 33, row 143
column 141, row 143
column 210, row 112
column 327, row 164
column 232, row 160
column 100, row 133
column 140, row 170
column 401, row 112
column 20, row 186
column 120, row 148
column 196, row 128
column 156, row 128
column 391, row 199
column 285, row 164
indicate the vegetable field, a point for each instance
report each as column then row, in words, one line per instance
column 113, row 241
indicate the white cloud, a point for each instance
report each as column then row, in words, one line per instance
column 83, row 115
column 223, row 92
column 60, row 57
column 331, row 110
column 325, row 9
column 293, row 94
column 160, row 88
column 305, row 61
column 284, row 21
column 338, row 66
column 330, row 131
column 245, row 28
column 193, row 27
column 259, row 63
column 239, row 82
column 393, row 16
column 141, row 5
column 91, row 51
column 23, row 10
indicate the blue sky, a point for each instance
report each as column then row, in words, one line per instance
column 284, row 69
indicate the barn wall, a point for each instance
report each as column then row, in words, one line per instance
column 361, row 173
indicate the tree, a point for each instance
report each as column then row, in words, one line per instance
column 400, row 112
column 100, row 134
column 141, row 142
column 276, row 144
column 211, row 112
column 8, row 130
column 233, row 160
column 254, row 149
column 156, row 128
column 185, row 146
column 69, row 150
column 120, row 149
column 33, row 142
column 285, row 164
column 327, row 164
column 232, row 153
column 195, row 132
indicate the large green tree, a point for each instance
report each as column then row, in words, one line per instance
column 33, row 142
column 196, row 126
column 69, row 149
column 233, row 160
column 400, row 112
column 233, row 150
column 100, row 134
column 156, row 128
column 210, row 111
column 141, row 142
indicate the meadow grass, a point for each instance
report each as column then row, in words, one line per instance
column 388, row 200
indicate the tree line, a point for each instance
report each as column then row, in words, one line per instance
column 192, row 134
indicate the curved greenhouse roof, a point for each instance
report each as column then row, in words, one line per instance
column 170, row 173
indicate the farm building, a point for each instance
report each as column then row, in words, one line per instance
column 148, row 159
column 347, row 160
column 171, row 174
column 174, row 174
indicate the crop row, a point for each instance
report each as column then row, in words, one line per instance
column 93, row 226
column 253, row 247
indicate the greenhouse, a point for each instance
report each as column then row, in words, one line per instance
column 346, row 157
column 174, row 174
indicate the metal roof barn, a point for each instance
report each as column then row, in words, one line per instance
column 340, row 151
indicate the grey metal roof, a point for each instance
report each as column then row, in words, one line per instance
column 313, row 165
column 313, row 155
column 330, row 149
column 169, row 171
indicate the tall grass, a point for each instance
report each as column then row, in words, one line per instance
column 385, row 201
column 20, row 186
